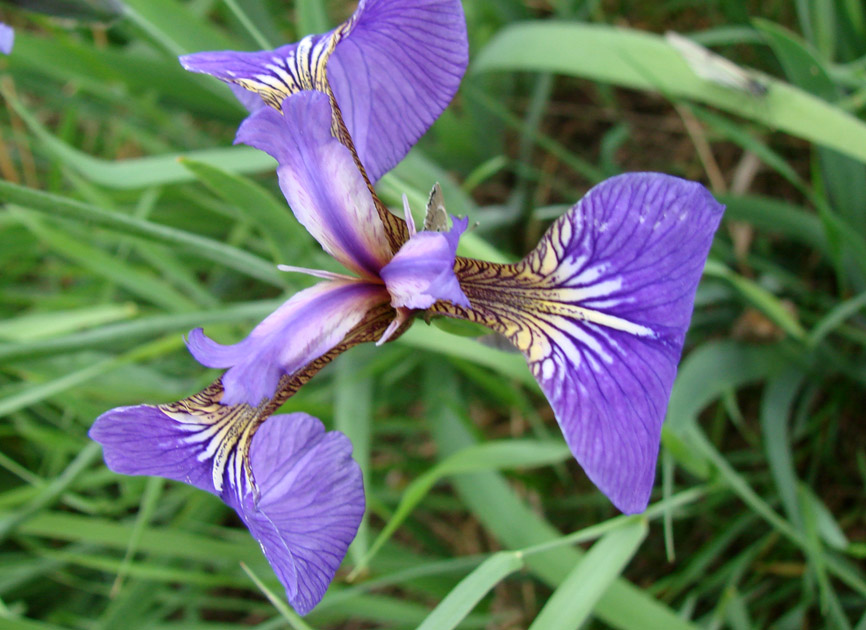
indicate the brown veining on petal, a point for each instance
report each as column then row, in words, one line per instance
column 228, row 429
column 395, row 228
column 369, row 329
column 527, row 302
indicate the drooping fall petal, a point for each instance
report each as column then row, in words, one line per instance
column 320, row 180
column 393, row 67
column 304, row 328
column 306, row 496
column 143, row 440
column 310, row 504
column 600, row 310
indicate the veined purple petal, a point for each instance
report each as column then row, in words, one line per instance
column 422, row 272
column 310, row 490
column 142, row 440
column 396, row 72
column 310, row 505
column 7, row 38
column 600, row 310
column 271, row 74
column 619, row 273
column 396, row 66
column 321, row 181
column 301, row 330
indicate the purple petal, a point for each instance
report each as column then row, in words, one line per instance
column 311, row 493
column 422, row 272
column 298, row 332
column 310, row 505
column 618, row 273
column 393, row 72
column 250, row 100
column 271, row 74
column 7, row 38
column 321, row 181
column 142, row 440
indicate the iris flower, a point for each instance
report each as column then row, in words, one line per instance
column 294, row 485
column 599, row 308
column 7, row 38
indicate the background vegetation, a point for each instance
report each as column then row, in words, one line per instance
column 129, row 219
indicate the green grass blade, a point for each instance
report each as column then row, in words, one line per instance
column 471, row 589
column 35, row 326
column 845, row 178
column 836, row 317
column 146, row 171
column 220, row 253
column 158, row 541
column 574, row 600
column 510, row 365
column 644, row 61
column 272, row 216
column 292, row 618
column 176, row 26
column 762, row 299
column 353, row 416
column 311, row 17
column 124, row 333
column 249, row 25
column 489, row 456
column 51, row 491
column 138, row 282
column 776, row 407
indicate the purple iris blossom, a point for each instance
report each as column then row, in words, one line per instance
column 329, row 196
column 393, row 60
column 307, row 498
column 302, row 500
column 600, row 308
column 7, row 38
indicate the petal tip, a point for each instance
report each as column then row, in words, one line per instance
column 311, row 505
column 7, row 39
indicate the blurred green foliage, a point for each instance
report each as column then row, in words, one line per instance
column 111, row 248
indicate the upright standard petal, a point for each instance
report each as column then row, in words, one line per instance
column 304, row 328
column 600, row 309
column 296, row 487
column 320, row 181
column 393, row 67
column 310, row 504
column 7, row 38
column 423, row 270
